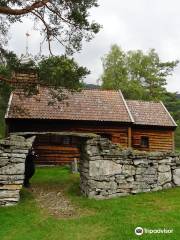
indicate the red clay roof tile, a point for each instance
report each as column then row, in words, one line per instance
column 150, row 113
column 91, row 105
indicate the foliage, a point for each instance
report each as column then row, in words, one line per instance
column 172, row 102
column 61, row 71
column 8, row 62
column 55, row 71
column 4, row 96
column 177, row 136
column 64, row 21
column 138, row 75
column 111, row 219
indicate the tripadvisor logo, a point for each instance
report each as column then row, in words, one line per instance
column 139, row 231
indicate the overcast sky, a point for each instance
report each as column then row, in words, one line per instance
column 132, row 24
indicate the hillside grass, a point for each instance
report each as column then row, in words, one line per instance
column 113, row 219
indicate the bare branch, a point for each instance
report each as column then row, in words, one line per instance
column 37, row 14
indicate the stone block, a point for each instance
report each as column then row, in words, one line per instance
column 16, row 160
column 10, row 186
column 164, row 168
column 157, row 188
column 13, row 169
column 128, row 170
column 142, row 162
column 98, row 168
column 164, row 178
column 3, row 161
column 176, row 176
column 9, row 194
column 167, row 185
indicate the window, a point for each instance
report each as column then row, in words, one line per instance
column 66, row 140
column 105, row 135
column 144, row 142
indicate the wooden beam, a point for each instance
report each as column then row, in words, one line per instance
column 129, row 137
column 173, row 142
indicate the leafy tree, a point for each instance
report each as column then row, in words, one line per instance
column 172, row 102
column 65, row 21
column 4, row 96
column 55, row 71
column 60, row 71
column 177, row 136
column 138, row 75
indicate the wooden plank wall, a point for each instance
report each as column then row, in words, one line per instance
column 56, row 155
column 159, row 140
column 52, row 151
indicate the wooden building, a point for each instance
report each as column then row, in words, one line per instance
column 141, row 125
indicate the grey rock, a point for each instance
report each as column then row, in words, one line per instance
column 13, row 169
column 158, row 188
column 3, row 161
column 128, row 170
column 164, row 177
column 164, row 168
column 167, row 185
column 176, row 176
column 102, row 167
column 9, row 194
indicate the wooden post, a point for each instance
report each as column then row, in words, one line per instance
column 129, row 137
column 173, row 142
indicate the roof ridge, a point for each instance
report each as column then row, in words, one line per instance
column 101, row 90
column 130, row 100
column 168, row 113
column 127, row 108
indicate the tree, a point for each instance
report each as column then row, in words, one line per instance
column 138, row 75
column 60, row 71
column 56, row 71
column 65, row 21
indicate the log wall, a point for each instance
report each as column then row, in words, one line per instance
column 56, row 152
column 161, row 140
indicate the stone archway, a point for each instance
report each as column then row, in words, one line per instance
column 13, row 152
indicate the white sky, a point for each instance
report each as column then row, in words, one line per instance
column 132, row 24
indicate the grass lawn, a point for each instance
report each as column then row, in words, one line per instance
column 103, row 220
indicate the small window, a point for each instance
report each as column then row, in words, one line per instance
column 144, row 142
column 108, row 136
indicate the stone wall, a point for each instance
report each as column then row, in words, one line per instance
column 13, row 151
column 107, row 171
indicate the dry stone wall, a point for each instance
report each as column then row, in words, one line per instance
column 13, row 151
column 107, row 171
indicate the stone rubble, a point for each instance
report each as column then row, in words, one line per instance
column 107, row 171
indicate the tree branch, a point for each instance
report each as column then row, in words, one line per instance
column 28, row 9
column 47, row 29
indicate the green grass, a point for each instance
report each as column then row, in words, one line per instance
column 111, row 219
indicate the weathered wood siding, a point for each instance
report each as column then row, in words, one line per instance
column 50, row 152
column 159, row 139
column 54, row 151
column 56, row 155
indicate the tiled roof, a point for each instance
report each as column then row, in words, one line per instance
column 150, row 113
column 92, row 105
